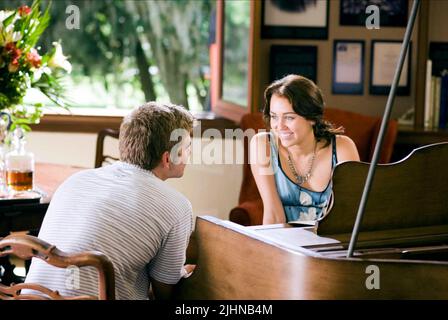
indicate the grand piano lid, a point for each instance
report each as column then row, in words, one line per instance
column 407, row 194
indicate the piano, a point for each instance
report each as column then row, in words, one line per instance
column 401, row 253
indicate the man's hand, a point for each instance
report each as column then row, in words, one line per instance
column 163, row 291
column 188, row 270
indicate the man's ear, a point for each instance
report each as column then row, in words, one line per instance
column 165, row 160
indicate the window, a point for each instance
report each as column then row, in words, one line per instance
column 235, row 59
column 126, row 52
column 235, row 52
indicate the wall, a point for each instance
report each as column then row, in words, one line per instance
column 366, row 103
column 437, row 29
column 212, row 189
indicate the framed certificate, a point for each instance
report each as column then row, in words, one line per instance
column 348, row 67
column 384, row 55
column 286, row 19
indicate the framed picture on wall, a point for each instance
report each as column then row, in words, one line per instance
column 348, row 67
column 294, row 19
column 392, row 13
column 384, row 55
column 286, row 60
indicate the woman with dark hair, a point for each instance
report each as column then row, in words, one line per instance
column 292, row 164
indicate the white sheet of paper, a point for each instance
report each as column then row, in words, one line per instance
column 295, row 237
column 348, row 62
column 385, row 62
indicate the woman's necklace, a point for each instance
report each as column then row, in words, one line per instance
column 301, row 179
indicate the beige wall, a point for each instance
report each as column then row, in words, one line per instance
column 438, row 30
column 366, row 103
column 212, row 189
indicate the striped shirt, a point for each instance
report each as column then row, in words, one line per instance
column 137, row 220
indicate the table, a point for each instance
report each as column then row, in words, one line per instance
column 29, row 216
column 19, row 217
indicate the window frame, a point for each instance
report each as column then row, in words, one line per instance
column 95, row 123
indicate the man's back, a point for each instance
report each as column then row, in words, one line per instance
column 129, row 214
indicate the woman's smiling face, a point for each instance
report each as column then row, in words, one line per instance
column 290, row 127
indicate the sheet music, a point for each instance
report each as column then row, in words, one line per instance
column 295, row 237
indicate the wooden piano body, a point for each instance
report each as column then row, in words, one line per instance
column 404, row 236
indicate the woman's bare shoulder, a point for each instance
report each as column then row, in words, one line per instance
column 343, row 140
column 346, row 149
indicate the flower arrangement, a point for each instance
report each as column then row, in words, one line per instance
column 22, row 66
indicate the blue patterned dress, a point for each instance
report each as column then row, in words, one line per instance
column 298, row 202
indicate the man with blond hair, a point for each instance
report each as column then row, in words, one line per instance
column 126, row 210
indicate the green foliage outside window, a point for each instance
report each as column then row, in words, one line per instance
column 126, row 52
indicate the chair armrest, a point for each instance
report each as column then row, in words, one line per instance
column 248, row 213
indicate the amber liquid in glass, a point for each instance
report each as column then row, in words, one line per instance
column 19, row 180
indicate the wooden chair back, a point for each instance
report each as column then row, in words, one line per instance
column 100, row 157
column 364, row 130
column 26, row 247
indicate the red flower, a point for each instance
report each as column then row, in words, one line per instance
column 24, row 11
column 12, row 50
column 9, row 47
column 34, row 58
column 15, row 61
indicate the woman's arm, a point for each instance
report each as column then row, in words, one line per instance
column 260, row 163
column 346, row 149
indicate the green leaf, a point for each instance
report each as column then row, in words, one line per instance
column 9, row 20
